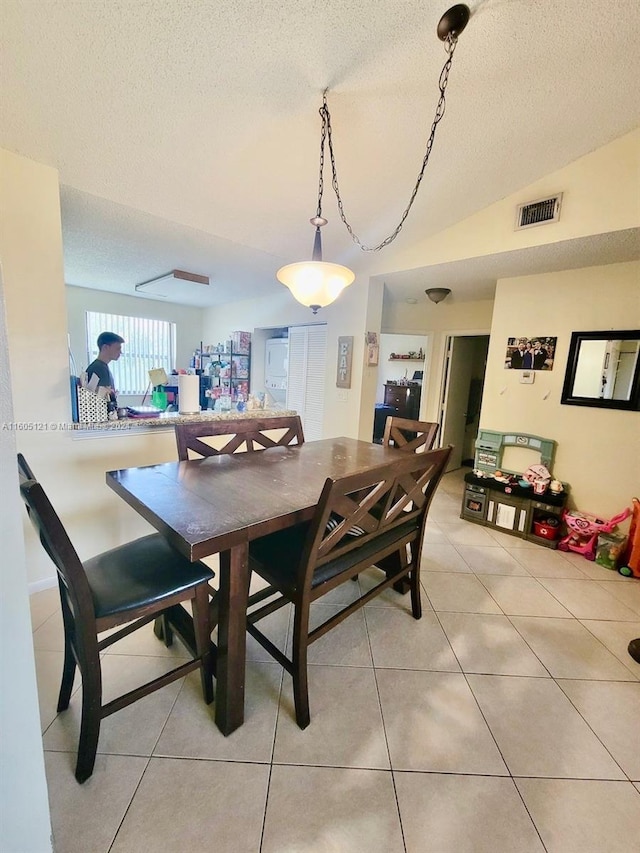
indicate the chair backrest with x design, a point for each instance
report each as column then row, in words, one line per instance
column 236, row 436
column 377, row 507
column 408, row 435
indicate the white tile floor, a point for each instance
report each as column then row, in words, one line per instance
column 507, row 720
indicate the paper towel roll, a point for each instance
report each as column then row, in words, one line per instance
column 188, row 393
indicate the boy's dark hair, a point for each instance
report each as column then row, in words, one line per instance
column 105, row 339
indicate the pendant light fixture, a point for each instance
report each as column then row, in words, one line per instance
column 317, row 283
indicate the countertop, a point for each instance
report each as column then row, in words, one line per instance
column 169, row 419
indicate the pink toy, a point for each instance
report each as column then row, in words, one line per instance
column 584, row 529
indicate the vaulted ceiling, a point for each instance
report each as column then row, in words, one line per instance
column 186, row 134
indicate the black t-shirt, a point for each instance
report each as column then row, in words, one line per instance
column 105, row 377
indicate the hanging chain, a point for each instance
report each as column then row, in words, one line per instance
column 323, row 135
column 450, row 46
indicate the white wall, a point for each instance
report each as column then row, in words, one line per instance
column 598, row 450
column 24, row 808
column 188, row 320
column 437, row 322
column 391, row 371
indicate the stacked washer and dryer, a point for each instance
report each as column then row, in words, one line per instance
column 276, row 369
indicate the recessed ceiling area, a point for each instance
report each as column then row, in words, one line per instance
column 475, row 278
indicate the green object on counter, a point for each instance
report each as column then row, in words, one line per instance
column 159, row 399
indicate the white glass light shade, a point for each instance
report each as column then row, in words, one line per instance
column 315, row 283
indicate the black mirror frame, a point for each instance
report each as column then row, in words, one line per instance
column 633, row 404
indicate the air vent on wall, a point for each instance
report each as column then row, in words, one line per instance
column 539, row 212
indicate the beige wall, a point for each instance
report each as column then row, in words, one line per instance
column 601, row 194
column 598, row 450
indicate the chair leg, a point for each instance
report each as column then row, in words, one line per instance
column 416, row 601
column 299, row 660
column 162, row 630
column 68, row 673
column 202, row 629
column 414, row 577
column 91, row 718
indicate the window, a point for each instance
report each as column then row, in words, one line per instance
column 148, row 344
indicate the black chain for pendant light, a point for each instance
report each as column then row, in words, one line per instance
column 450, row 46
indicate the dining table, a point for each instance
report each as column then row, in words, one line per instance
column 218, row 505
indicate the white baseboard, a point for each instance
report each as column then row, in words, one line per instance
column 38, row 586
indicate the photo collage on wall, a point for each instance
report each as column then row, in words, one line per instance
column 530, row 353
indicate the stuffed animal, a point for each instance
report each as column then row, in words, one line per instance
column 584, row 529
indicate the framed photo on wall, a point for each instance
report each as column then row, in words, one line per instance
column 345, row 357
column 536, row 352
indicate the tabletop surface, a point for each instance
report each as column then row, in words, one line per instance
column 209, row 505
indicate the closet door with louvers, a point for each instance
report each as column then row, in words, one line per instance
column 307, row 372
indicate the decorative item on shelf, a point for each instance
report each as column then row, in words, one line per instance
column 437, row 294
column 317, row 283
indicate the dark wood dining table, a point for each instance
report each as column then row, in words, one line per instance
column 221, row 503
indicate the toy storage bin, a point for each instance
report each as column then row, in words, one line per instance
column 547, row 528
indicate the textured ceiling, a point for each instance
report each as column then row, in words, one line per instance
column 186, row 133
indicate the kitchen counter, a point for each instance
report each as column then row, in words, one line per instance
column 167, row 420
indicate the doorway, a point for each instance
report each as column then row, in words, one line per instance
column 464, row 370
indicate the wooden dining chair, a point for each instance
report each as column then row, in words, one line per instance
column 408, row 435
column 236, row 435
column 359, row 520
column 128, row 584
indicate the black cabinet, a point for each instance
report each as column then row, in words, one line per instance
column 403, row 399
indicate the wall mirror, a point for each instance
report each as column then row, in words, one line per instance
column 603, row 370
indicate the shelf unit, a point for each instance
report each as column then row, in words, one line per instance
column 401, row 358
column 228, row 371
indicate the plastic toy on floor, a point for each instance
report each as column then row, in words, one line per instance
column 630, row 564
column 584, row 529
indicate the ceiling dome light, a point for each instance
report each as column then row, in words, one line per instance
column 437, row 294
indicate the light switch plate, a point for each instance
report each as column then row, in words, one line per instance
column 527, row 377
